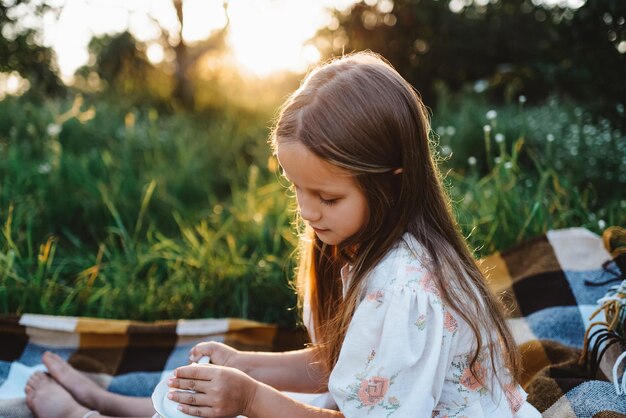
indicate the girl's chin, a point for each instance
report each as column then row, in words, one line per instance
column 328, row 238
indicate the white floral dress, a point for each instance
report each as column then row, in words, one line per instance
column 406, row 354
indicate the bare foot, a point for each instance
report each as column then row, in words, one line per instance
column 84, row 390
column 47, row 399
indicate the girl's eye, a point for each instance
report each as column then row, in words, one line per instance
column 328, row 202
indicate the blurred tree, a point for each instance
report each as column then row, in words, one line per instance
column 594, row 64
column 119, row 62
column 186, row 57
column 20, row 48
column 507, row 47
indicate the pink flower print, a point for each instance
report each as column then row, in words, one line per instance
column 515, row 399
column 376, row 296
column 449, row 322
column 421, row 322
column 469, row 380
column 373, row 390
column 412, row 269
column 428, row 284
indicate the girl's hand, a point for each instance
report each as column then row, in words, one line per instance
column 220, row 391
column 220, row 354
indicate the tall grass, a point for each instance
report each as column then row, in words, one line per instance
column 126, row 213
column 519, row 170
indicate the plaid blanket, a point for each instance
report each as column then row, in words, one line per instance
column 126, row 357
column 551, row 284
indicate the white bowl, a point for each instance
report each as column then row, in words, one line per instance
column 167, row 408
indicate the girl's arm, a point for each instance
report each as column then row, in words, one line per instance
column 295, row 371
column 225, row 391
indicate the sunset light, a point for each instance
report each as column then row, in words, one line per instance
column 264, row 36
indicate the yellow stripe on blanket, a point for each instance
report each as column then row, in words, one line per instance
column 497, row 273
column 495, row 269
column 102, row 326
column 534, row 359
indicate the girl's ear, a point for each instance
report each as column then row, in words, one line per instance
column 398, row 170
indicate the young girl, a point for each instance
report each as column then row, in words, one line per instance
column 401, row 319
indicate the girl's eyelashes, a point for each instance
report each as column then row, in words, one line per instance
column 328, row 202
column 323, row 201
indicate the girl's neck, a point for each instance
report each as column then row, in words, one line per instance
column 348, row 254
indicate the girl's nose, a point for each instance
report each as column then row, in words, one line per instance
column 308, row 209
column 309, row 214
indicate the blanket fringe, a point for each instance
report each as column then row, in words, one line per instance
column 601, row 335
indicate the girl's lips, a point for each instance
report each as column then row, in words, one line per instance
column 319, row 229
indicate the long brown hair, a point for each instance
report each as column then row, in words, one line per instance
column 359, row 114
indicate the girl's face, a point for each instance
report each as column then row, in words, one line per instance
column 328, row 197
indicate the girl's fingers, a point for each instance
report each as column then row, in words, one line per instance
column 194, row 371
column 188, row 398
column 187, row 384
column 197, row 411
column 200, row 350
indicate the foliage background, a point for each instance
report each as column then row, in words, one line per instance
column 148, row 191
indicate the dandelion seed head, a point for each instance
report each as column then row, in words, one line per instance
column 480, row 86
column 487, row 128
column 522, row 99
column 508, row 165
column 491, row 115
column 44, row 168
column 550, row 138
column 53, row 129
column 472, row 160
column 499, row 138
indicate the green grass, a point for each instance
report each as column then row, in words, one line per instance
column 126, row 213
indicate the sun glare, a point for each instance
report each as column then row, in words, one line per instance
column 265, row 36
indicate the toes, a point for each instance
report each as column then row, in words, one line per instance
column 30, row 394
column 36, row 380
column 53, row 357
column 57, row 366
column 52, row 361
